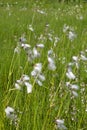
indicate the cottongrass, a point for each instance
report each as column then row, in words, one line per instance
column 10, row 114
column 24, row 81
column 59, row 72
column 60, row 124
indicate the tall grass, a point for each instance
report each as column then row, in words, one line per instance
column 62, row 30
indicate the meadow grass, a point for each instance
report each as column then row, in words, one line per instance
column 61, row 101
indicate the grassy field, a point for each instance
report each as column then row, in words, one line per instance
column 43, row 65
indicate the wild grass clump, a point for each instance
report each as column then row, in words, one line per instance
column 43, row 66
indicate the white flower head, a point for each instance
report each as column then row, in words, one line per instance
column 50, row 52
column 68, row 84
column 37, row 69
column 17, row 86
column 40, row 45
column 24, row 81
column 25, row 46
column 50, row 60
column 39, row 82
column 35, row 53
column 70, row 64
column 70, row 75
column 56, row 40
column 41, row 77
column 22, row 39
column 37, row 74
column 31, row 28
column 30, row 56
column 50, row 37
column 51, row 64
column 75, row 58
column 10, row 113
column 41, row 11
column 71, row 35
column 29, row 87
column 75, row 94
column 83, row 57
column 34, row 73
column 65, row 28
column 9, row 110
column 74, row 86
column 60, row 124
column 25, row 77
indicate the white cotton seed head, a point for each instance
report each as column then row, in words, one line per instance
column 70, row 75
column 40, row 11
column 40, row 45
column 67, row 84
column 74, row 86
column 22, row 39
column 70, row 64
column 83, row 57
column 58, row 121
column 50, row 60
column 17, row 86
column 41, row 77
column 35, row 53
column 51, row 66
column 20, row 82
column 38, row 67
column 31, row 28
column 62, row 127
column 9, row 110
column 77, row 65
column 39, row 82
column 60, row 124
column 65, row 28
column 75, row 94
column 71, row 35
column 30, row 56
column 50, row 52
column 75, row 58
column 34, row 73
column 25, row 77
column 29, row 87
column 25, row 46
column 10, row 113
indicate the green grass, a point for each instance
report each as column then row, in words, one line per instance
column 53, row 100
